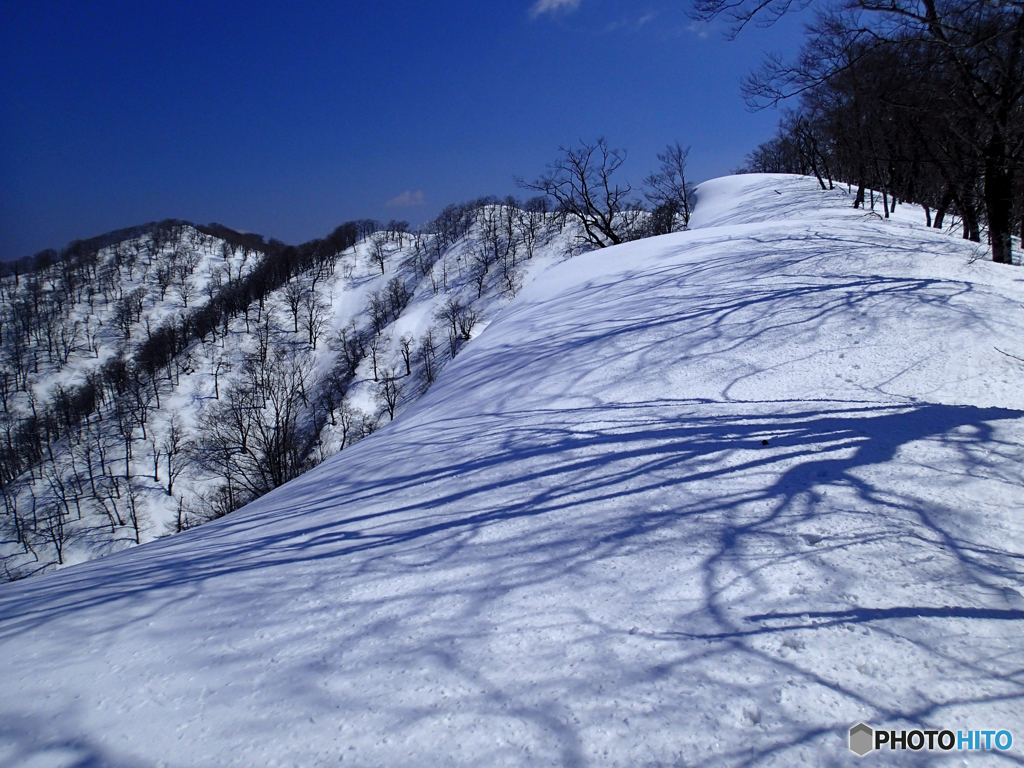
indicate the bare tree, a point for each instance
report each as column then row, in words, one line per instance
column 294, row 294
column 368, row 424
column 481, row 265
column 380, row 314
column 466, row 321
column 174, row 450
column 971, row 47
column 189, row 261
column 389, row 390
column 133, row 497
column 377, row 346
column 220, row 364
column 450, row 312
column 379, row 251
column 669, row 191
column 92, row 336
column 256, row 438
column 67, row 341
column 164, row 279
column 331, row 392
column 314, row 317
column 398, row 296
column 349, row 420
column 580, row 182
column 154, row 446
column 185, row 290
column 181, row 521
column 350, row 342
column 127, row 417
column 405, row 347
column 54, row 528
column 426, row 352
column 9, row 493
column 59, row 487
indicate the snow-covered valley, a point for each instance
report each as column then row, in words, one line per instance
column 703, row 499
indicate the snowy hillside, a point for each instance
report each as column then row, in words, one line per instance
column 704, row 499
column 73, row 332
column 166, row 379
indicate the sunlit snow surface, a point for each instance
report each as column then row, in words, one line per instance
column 575, row 549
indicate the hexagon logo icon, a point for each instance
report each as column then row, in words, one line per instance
column 862, row 739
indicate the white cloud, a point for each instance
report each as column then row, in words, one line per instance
column 630, row 24
column 552, row 6
column 699, row 29
column 407, row 199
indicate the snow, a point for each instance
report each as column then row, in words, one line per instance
column 577, row 549
column 97, row 337
column 209, row 369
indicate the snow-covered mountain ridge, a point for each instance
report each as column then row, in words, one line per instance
column 159, row 377
column 704, row 499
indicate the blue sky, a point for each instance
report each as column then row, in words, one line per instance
column 289, row 118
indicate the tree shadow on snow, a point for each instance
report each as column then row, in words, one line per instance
column 768, row 561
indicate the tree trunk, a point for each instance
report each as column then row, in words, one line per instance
column 940, row 212
column 998, row 199
column 972, row 226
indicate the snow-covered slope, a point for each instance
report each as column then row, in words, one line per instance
column 277, row 360
column 704, row 499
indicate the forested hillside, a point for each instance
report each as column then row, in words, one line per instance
column 159, row 377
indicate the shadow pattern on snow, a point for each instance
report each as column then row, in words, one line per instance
column 437, row 544
column 601, row 563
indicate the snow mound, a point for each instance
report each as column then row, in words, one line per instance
column 763, row 198
column 710, row 498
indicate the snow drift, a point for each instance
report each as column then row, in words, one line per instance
column 710, row 498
